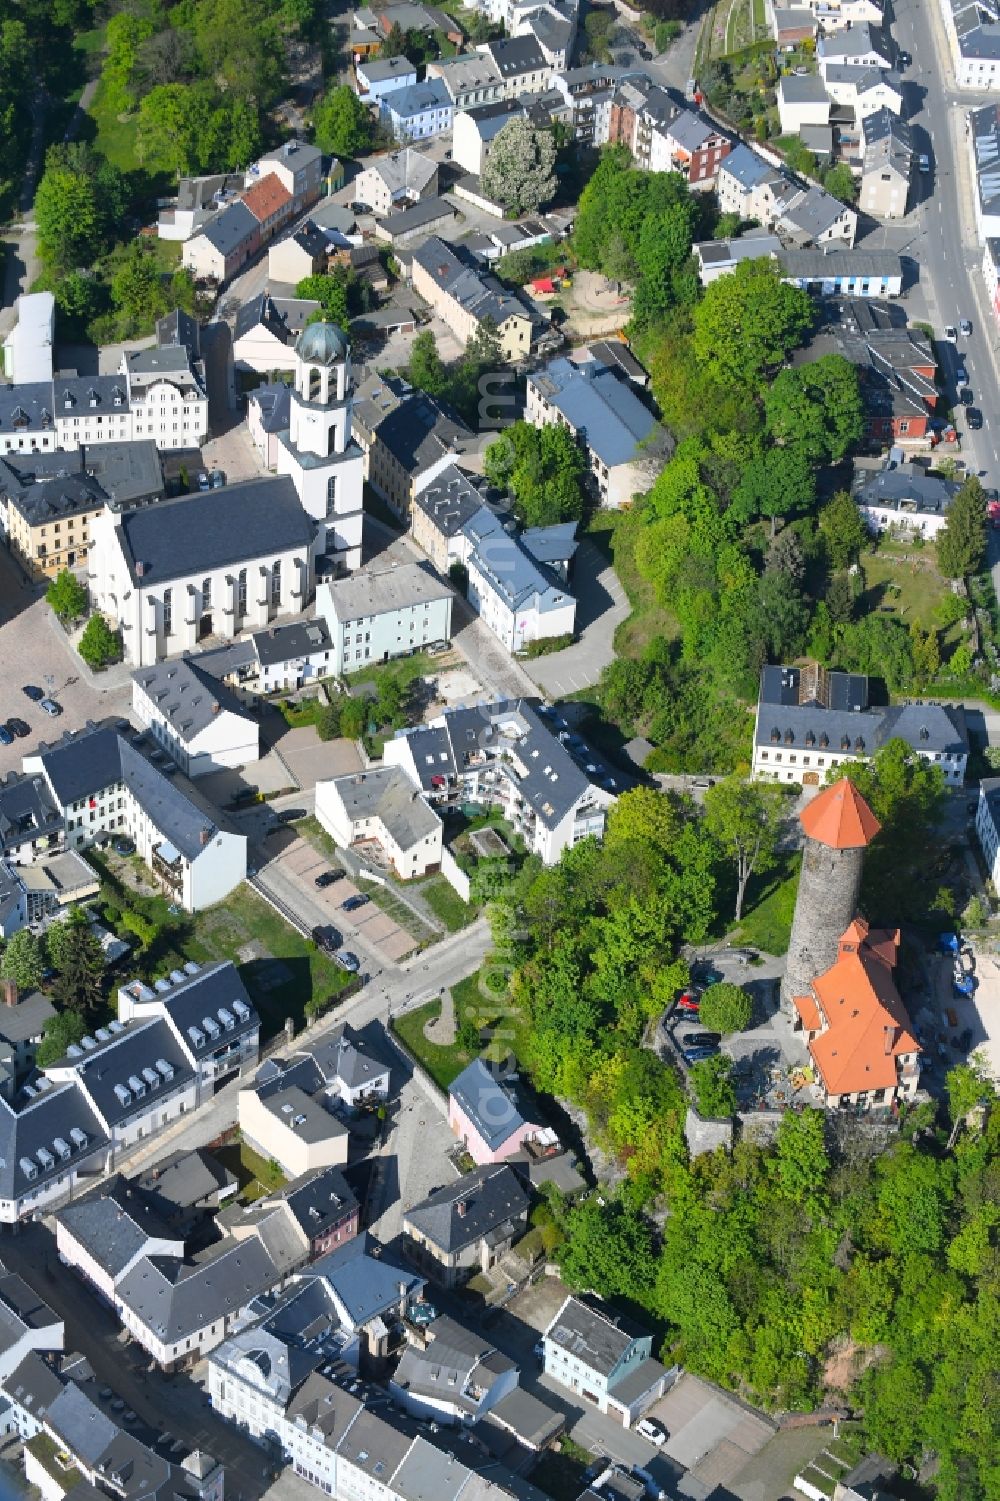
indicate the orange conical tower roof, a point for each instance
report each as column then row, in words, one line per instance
column 840, row 818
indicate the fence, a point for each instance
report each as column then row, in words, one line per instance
column 455, row 875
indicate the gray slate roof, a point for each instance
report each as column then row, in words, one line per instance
column 196, row 533
column 450, row 499
column 485, row 1203
column 601, row 407
column 387, row 793
column 379, row 593
column 175, row 1299
column 52, row 1115
column 491, row 1102
column 366, row 1285
column 343, row 1055
column 230, row 229
column 190, row 1000
column 189, row 698
column 122, row 1061
column 25, row 1021
column 284, row 643
column 589, row 1335
column 27, row 811
column 114, row 1224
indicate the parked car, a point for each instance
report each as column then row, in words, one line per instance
column 651, row 1430
column 6, row 738
column 327, row 939
column 701, row 1039
column 34, row 693
column 961, row 374
column 965, row 328
column 327, row 877
column 217, row 479
column 352, row 903
column 974, row 418
column 951, row 333
column 688, row 1002
column 347, row 960
column 966, row 397
column 924, row 163
column 904, row 59
column 289, row 815
column 698, row 1055
column 19, row 727
column 203, row 481
column 538, row 1349
column 49, row 706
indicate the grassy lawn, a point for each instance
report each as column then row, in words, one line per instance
column 299, row 713
column 311, row 829
column 385, row 898
column 288, row 973
column 255, row 1175
column 446, row 904
column 904, row 581
column 114, row 138
column 767, row 923
column 445, row 1062
column 614, row 533
column 402, row 671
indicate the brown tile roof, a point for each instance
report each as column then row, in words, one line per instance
column 266, row 197
column 867, row 1025
column 840, row 817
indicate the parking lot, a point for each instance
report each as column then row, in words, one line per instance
column 951, row 1027
column 300, row 864
column 35, row 649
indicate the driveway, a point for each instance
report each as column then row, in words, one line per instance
column 601, row 607
column 292, row 873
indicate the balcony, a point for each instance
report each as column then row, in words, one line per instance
column 168, row 866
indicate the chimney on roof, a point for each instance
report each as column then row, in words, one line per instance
column 8, row 988
column 890, row 1038
column 461, row 1209
column 205, row 836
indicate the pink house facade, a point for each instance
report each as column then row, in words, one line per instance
column 485, row 1111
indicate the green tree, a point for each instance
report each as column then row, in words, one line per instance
column 239, row 45
column 124, row 38
column 66, row 596
column 744, row 818
column 520, row 169
column 843, row 530
column 712, row 1082
column 961, row 544
column 99, row 645
column 801, row 1165
column 817, row 409
column 22, row 960
column 725, row 1008
column 394, row 44
column 58, row 1035
column 341, row 124
column 747, row 323
column 79, row 961
column 841, row 183
column 68, row 219
column 608, row 1250
column 331, row 294
column 137, row 290
column 775, row 483
column 140, row 926
column 175, row 128
column 425, row 369
column 543, row 469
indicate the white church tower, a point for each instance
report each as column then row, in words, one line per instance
column 318, row 451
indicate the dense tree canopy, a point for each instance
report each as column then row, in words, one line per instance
column 519, row 169
column 748, row 322
column 341, row 124
column 542, row 468
column 961, row 545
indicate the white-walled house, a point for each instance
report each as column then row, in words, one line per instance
column 198, row 721
column 208, row 1010
column 988, row 825
column 591, row 1354
column 218, row 562
column 382, row 810
column 375, row 616
column 517, row 598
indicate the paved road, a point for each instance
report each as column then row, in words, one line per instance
column 603, row 605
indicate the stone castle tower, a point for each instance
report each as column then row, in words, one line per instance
column 839, row 826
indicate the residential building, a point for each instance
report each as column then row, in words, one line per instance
column 984, row 148
column 368, row 1289
column 599, row 1360
column 27, row 349
column 490, row 1114
column 26, row 418
column 816, row 218
column 168, row 398
column 520, row 63
column 834, row 15
column 467, row 1227
column 897, row 369
column 396, row 180
column 464, row 296
column 92, row 409
column 455, row 1376
column 886, row 167
column 101, row 785
column 973, row 33
column 49, row 501
column 416, row 439
column 378, row 814
column 418, row 112
column 377, row 78
column 31, row 821
column 352, row 1068
column 863, row 91
column 324, row 1206
column 266, row 331
column 170, row 574
column 208, row 1011
column 198, row 721
column 792, row 25
column 377, row 615
column 50, row 1142
column 476, row 127
column 299, row 167
column 319, row 450
column 278, row 660
column 29, row 1325
column 22, row 1022
column 802, row 100
column 502, row 755
column 719, row 257
column 519, row 598
column 441, row 509
column 270, row 202
column 429, row 217
column 809, row 720
column 197, row 200
column 858, row 1031
column 302, row 253
column 621, row 437
column 185, row 1188
column 471, row 78
column 903, row 497
column 988, row 823
column 105, row 1233
column 285, row 1114
column 864, row 45
column 30, row 893
column 223, row 245
column 746, row 184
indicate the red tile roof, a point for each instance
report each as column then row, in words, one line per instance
column 266, row 197
column 867, row 1025
column 840, row 818
column 809, row 1012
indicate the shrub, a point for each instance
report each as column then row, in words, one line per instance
column 725, row 1008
